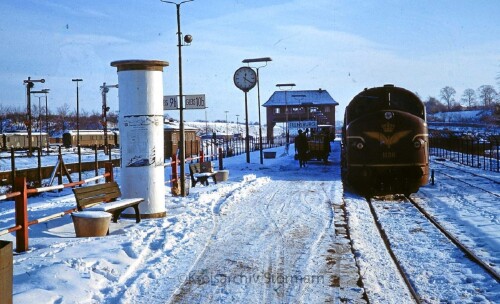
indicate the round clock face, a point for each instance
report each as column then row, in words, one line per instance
column 245, row 78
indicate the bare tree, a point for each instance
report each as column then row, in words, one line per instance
column 447, row 94
column 487, row 94
column 469, row 97
column 62, row 113
column 433, row 105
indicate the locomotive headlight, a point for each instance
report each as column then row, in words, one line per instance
column 360, row 145
column 388, row 115
column 417, row 144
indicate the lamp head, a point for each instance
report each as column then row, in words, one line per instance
column 188, row 39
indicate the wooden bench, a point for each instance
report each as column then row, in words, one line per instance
column 200, row 172
column 93, row 197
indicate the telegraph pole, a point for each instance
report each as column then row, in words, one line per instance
column 30, row 83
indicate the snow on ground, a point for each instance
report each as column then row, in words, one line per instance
column 267, row 235
column 262, row 236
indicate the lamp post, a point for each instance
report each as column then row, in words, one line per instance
column 44, row 91
column 187, row 40
column 77, row 80
column 105, row 109
column 29, row 84
column 256, row 60
column 287, row 132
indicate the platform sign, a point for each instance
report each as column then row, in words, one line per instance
column 311, row 124
column 195, row 101
column 170, row 102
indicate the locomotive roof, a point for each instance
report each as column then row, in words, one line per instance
column 386, row 97
column 300, row 98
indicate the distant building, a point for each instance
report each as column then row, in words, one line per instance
column 299, row 106
column 172, row 138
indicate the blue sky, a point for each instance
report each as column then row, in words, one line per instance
column 341, row 46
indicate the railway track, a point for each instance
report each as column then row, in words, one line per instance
column 462, row 177
column 401, row 265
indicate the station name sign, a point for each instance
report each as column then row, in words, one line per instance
column 311, row 124
column 171, row 102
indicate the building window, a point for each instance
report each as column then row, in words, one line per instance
column 327, row 109
column 277, row 111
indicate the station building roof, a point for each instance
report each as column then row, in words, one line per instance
column 300, row 98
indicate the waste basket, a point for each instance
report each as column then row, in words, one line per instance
column 6, row 272
column 91, row 223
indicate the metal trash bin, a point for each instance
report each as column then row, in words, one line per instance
column 6, row 272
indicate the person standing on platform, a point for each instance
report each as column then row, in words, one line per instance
column 301, row 148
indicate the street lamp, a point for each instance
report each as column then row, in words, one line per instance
column 105, row 109
column 77, row 80
column 29, row 84
column 255, row 60
column 286, row 86
column 187, row 39
column 44, row 91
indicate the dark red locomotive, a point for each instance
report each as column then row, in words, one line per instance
column 385, row 142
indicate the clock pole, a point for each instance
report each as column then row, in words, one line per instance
column 247, row 132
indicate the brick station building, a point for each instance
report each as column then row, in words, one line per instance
column 301, row 105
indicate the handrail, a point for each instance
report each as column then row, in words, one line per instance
column 21, row 205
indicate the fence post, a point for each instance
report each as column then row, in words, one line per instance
column 12, row 166
column 108, row 168
column 96, row 162
column 21, row 214
column 221, row 156
column 174, row 168
column 39, row 159
column 60, row 162
column 79, row 163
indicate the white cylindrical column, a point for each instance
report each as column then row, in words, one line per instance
column 140, row 95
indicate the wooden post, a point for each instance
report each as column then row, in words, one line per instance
column 96, row 162
column 79, row 163
column 221, row 156
column 21, row 214
column 108, row 168
column 39, row 157
column 12, row 166
column 6, row 272
column 60, row 176
column 174, row 167
column 202, row 156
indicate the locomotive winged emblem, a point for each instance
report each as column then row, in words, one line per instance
column 387, row 140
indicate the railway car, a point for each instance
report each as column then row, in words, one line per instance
column 90, row 138
column 385, row 142
column 19, row 140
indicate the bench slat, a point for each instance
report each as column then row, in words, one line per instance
column 96, row 194
column 124, row 203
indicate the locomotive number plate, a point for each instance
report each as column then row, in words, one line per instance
column 389, row 154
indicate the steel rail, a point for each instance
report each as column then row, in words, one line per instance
column 470, row 254
column 396, row 261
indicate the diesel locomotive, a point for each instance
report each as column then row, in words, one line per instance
column 385, row 142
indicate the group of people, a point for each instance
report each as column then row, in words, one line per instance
column 302, row 146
